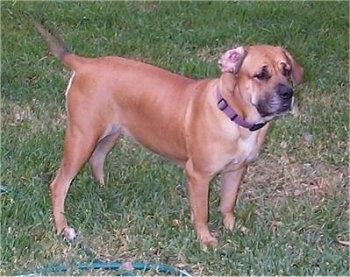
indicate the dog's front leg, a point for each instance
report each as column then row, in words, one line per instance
column 198, row 190
column 230, row 182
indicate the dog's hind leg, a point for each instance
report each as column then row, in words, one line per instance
column 98, row 157
column 77, row 150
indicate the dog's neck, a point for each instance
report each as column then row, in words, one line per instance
column 233, row 115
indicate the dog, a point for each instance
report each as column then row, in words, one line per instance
column 209, row 126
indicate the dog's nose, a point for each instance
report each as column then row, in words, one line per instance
column 284, row 91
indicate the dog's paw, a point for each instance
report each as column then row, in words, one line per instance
column 208, row 241
column 229, row 221
column 69, row 233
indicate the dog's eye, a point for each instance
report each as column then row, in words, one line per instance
column 263, row 75
column 286, row 70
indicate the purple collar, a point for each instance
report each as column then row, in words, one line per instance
column 233, row 116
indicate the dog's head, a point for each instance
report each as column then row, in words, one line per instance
column 263, row 76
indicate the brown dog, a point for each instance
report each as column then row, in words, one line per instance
column 207, row 126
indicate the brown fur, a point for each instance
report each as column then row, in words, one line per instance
column 174, row 116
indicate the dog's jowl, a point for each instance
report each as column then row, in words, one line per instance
column 210, row 126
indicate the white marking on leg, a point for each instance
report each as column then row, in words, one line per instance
column 68, row 88
column 69, row 83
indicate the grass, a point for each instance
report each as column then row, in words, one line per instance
column 293, row 211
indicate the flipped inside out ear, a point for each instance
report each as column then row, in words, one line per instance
column 232, row 60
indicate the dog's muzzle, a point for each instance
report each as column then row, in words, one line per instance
column 279, row 102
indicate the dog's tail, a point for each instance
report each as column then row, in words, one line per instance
column 57, row 47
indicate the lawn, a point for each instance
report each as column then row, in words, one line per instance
column 293, row 210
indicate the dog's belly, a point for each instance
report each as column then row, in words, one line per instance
column 159, row 142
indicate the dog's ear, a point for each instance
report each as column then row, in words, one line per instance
column 232, row 60
column 297, row 70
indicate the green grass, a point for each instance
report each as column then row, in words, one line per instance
column 293, row 211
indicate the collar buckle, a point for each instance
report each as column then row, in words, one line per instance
column 257, row 126
column 222, row 104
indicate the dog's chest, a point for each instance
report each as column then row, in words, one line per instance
column 248, row 149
